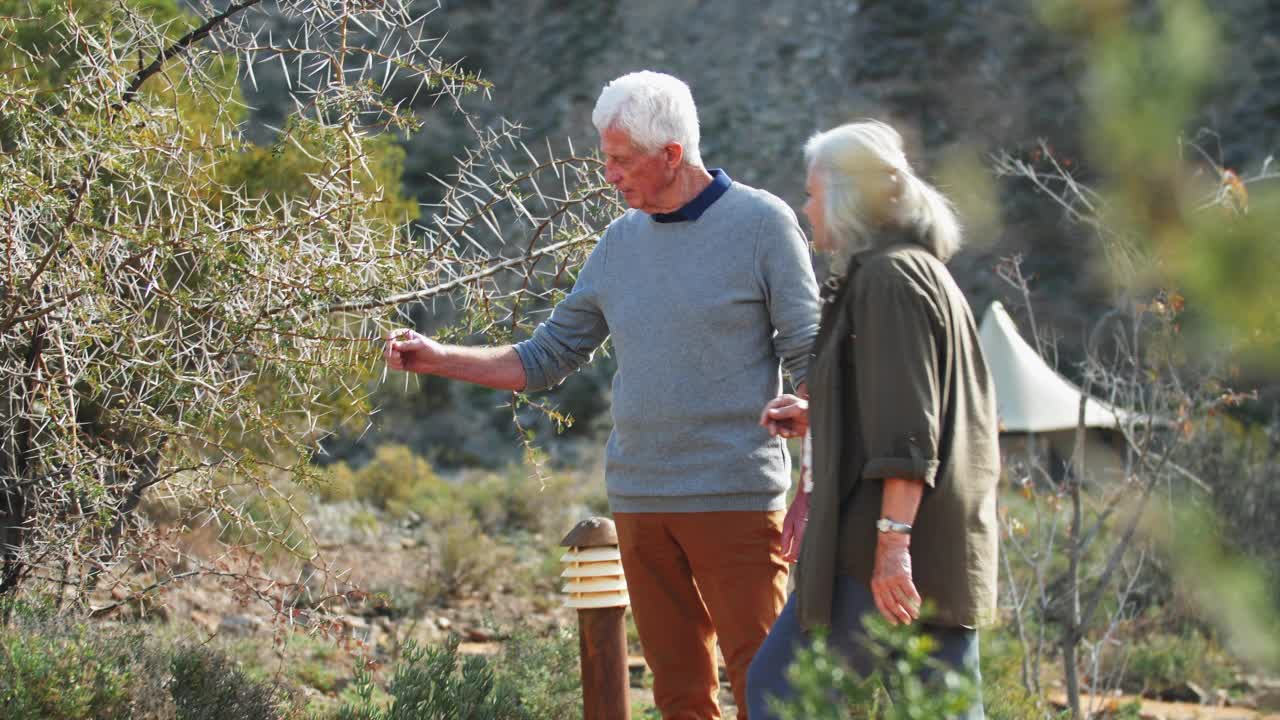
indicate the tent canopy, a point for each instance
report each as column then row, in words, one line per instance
column 1032, row 397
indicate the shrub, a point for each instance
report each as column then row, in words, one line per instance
column 463, row 559
column 271, row 521
column 1161, row 662
column 514, row 500
column 395, row 480
column 207, row 686
column 1003, row 695
column 825, row 689
column 54, row 670
column 67, row 672
column 543, row 673
column 431, row 683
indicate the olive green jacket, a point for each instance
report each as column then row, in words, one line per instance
column 899, row 389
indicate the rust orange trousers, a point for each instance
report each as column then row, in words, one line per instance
column 695, row 578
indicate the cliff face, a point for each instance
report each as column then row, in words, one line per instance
column 983, row 75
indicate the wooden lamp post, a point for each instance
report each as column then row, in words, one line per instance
column 596, row 587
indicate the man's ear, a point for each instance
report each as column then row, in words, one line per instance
column 673, row 153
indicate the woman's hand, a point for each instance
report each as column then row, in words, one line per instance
column 786, row 415
column 891, row 584
column 793, row 526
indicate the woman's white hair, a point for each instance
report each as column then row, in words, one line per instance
column 654, row 109
column 871, row 194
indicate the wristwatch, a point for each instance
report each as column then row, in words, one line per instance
column 885, row 525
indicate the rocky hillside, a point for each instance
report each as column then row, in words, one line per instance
column 963, row 79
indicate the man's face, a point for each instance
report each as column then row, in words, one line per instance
column 642, row 178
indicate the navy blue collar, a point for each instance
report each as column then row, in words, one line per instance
column 692, row 210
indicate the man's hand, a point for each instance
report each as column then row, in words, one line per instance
column 786, row 415
column 793, row 526
column 891, row 584
column 409, row 351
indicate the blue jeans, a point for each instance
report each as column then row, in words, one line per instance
column 957, row 647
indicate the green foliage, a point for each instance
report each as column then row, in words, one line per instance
column 395, row 480
column 825, row 688
column 1003, row 695
column 543, row 672
column 1168, row 208
column 400, row 482
column 216, row 306
column 1155, row 663
column 515, row 500
column 431, row 684
column 1129, row 711
column 1230, row 589
column 469, row 558
column 67, row 673
column 51, row 669
column 270, row 519
column 207, row 686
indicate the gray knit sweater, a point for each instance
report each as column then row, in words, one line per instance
column 703, row 314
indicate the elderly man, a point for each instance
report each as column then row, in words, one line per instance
column 706, row 288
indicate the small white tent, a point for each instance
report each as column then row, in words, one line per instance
column 1039, row 409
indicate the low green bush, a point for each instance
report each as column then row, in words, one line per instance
column 53, row 669
column 825, row 689
column 395, row 480
column 1003, row 695
column 66, row 673
column 515, row 500
column 543, row 671
column 464, row 559
column 400, row 482
column 208, row 686
column 432, row 683
column 1159, row 662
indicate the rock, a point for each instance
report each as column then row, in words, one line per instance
column 1187, row 692
column 1267, row 700
column 487, row 649
column 444, row 623
column 239, row 625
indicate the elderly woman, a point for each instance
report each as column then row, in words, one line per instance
column 902, row 414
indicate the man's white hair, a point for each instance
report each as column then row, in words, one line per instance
column 871, row 194
column 654, row 109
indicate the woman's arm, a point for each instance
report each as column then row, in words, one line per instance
column 891, row 582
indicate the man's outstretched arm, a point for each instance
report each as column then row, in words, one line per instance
column 495, row 367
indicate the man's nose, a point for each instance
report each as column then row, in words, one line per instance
column 612, row 176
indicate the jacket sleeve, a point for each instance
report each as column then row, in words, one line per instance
column 896, row 354
column 567, row 340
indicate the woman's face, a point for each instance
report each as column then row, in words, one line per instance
column 815, row 200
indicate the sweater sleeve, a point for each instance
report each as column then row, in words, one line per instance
column 785, row 273
column 567, row 340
